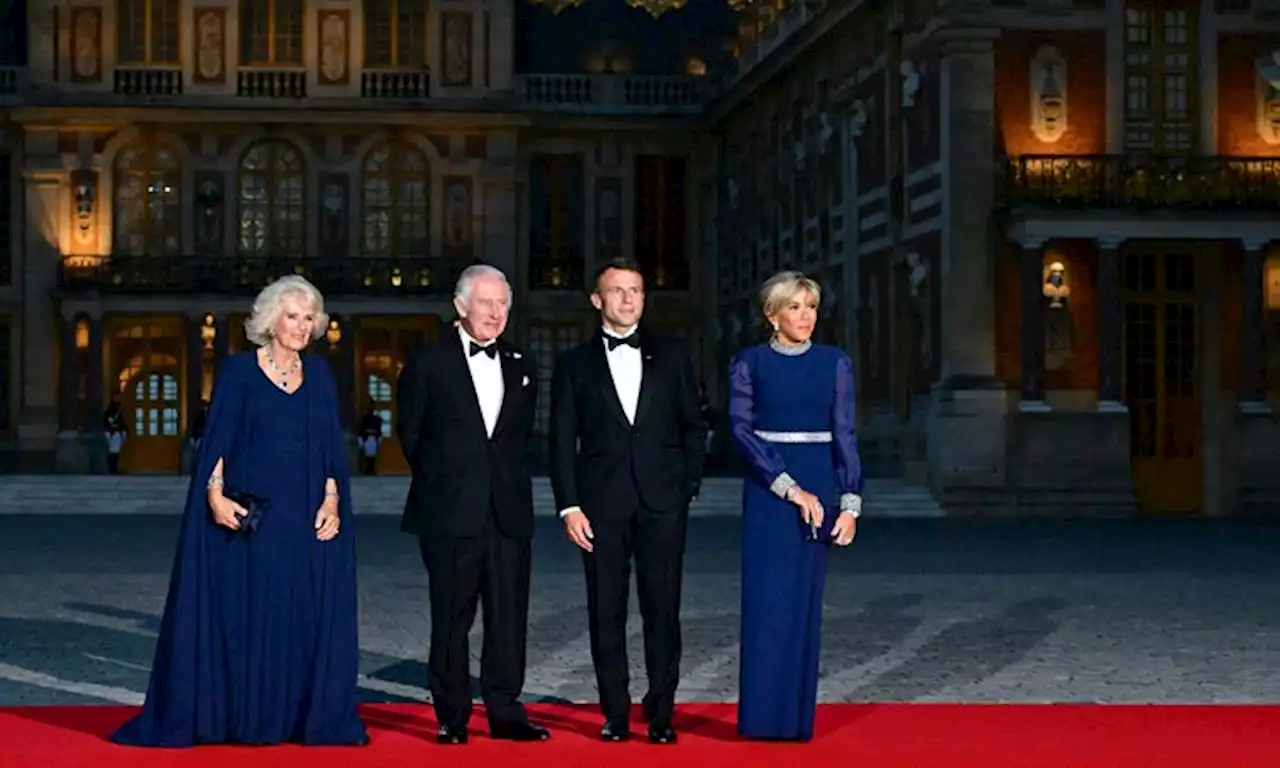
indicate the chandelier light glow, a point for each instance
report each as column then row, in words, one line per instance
column 654, row 8
column 556, row 6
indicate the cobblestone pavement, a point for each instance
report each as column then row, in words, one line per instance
column 917, row 610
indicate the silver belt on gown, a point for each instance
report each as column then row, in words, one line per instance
column 793, row 437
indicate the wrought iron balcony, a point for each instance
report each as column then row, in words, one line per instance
column 245, row 275
column 1142, row 182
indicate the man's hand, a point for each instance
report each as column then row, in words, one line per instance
column 578, row 528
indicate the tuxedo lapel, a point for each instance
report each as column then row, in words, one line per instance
column 460, row 374
column 647, row 371
column 512, row 386
column 600, row 362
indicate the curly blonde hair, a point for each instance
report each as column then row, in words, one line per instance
column 262, row 320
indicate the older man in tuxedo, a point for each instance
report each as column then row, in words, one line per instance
column 627, row 448
column 464, row 413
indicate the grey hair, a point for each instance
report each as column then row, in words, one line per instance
column 782, row 288
column 469, row 275
column 261, row 323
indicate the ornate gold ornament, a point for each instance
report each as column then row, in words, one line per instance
column 656, row 8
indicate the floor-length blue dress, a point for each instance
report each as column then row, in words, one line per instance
column 258, row 644
column 792, row 419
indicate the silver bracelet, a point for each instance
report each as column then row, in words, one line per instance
column 215, row 481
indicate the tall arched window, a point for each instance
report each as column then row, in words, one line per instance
column 396, row 196
column 272, row 194
column 147, row 200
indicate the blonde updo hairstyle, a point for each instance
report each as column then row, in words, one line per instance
column 261, row 324
column 779, row 290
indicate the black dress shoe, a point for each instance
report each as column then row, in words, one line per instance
column 661, row 732
column 451, row 735
column 525, row 731
column 615, row 730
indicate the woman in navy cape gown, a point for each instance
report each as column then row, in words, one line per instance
column 791, row 409
column 258, row 642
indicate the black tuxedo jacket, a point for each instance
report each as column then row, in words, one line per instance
column 460, row 474
column 603, row 463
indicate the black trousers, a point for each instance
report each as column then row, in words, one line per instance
column 656, row 541
column 491, row 570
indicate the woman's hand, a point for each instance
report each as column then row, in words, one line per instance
column 225, row 511
column 327, row 522
column 810, row 508
column 845, row 529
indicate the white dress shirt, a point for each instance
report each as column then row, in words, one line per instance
column 627, row 372
column 486, row 377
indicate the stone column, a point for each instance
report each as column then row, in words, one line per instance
column 1031, row 267
column 222, row 341
column 47, row 201
column 1253, row 393
column 1110, row 328
column 94, row 398
column 968, row 196
column 967, row 419
column 68, row 375
column 195, row 366
column 344, row 372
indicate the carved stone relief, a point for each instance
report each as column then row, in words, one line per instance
column 1048, row 94
column 455, row 47
column 334, row 195
column 910, row 83
column 457, row 216
column 209, row 212
column 608, row 218
column 86, row 45
column 335, row 44
column 1059, row 329
column 210, row 45
column 1269, row 97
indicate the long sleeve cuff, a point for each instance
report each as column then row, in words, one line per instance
column 851, row 502
column 782, row 484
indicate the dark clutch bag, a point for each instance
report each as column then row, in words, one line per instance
column 254, row 508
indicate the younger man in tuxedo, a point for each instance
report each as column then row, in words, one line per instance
column 627, row 447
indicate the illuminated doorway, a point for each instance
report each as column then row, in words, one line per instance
column 147, row 361
column 1162, row 377
column 383, row 347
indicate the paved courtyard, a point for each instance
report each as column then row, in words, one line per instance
column 917, row 610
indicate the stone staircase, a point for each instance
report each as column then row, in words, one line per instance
column 159, row 495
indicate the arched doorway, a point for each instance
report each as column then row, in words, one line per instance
column 383, row 346
column 147, row 361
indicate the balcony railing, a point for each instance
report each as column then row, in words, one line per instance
column 246, row 275
column 1142, row 182
column 613, row 94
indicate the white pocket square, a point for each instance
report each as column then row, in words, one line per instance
column 524, row 382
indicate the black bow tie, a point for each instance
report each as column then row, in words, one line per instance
column 489, row 349
column 614, row 342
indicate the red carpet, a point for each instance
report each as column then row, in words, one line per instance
column 873, row 735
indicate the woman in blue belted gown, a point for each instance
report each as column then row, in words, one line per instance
column 791, row 408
